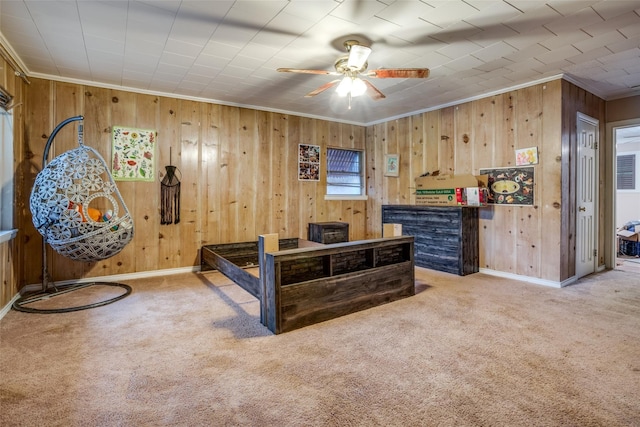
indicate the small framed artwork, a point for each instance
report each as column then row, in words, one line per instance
column 391, row 164
column 510, row 186
column 308, row 162
column 527, row 156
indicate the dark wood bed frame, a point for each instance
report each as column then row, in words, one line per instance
column 299, row 286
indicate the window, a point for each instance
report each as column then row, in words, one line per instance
column 345, row 173
column 6, row 167
column 6, row 176
column 626, row 172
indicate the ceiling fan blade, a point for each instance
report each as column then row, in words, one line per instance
column 296, row 70
column 322, row 88
column 399, row 73
column 358, row 55
column 373, row 91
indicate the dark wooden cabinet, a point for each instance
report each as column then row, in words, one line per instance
column 446, row 238
column 328, row 232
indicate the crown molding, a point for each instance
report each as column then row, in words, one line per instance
column 9, row 54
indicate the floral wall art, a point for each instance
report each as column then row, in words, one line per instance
column 133, row 154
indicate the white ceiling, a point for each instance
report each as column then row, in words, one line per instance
column 228, row 51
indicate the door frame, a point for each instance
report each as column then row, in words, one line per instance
column 610, row 246
column 596, row 205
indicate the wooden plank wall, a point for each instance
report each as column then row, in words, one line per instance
column 9, row 285
column 623, row 109
column 239, row 172
column 531, row 241
column 11, row 251
column 238, row 166
column 576, row 99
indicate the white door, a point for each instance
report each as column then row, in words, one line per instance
column 586, row 196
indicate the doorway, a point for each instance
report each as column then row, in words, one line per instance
column 626, row 166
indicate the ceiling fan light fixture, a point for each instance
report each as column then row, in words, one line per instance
column 358, row 87
column 344, row 87
column 358, row 55
column 352, row 86
column 353, row 65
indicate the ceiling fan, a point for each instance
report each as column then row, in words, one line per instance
column 352, row 67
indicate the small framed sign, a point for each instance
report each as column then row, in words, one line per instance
column 391, row 165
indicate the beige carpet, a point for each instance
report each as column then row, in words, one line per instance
column 189, row 350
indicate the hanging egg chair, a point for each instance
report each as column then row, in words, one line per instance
column 77, row 208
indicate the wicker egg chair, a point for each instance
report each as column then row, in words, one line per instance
column 77, row 208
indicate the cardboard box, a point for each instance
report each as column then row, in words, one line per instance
column 452, row 190
column 391, row 230
column 631, row 235
column 451, row 181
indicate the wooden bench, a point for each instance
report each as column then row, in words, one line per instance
column 300, row 286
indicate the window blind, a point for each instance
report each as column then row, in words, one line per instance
column 626, row 172
column 344, row 172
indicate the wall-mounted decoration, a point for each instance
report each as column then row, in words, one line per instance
column 527, row 156
column 170, row 194
column 308, row 162
column 510, row 186
column 133, row 154
column 391, row 164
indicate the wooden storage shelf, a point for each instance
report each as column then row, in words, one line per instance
column 297, row 270
column 356, row 276
column 446, row 238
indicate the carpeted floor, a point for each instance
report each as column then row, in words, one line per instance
column 189, row 350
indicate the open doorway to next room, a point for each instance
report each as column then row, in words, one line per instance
column 627, row 197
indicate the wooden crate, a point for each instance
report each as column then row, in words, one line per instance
column 328, row 232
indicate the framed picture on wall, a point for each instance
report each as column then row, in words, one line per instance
column 527, row 156
column 510, row 186
column 308, row 162
column 391, row 165
column 133, row 155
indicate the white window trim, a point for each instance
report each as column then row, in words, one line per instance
column 345, row 197
column 5, row 236
column 6, row 177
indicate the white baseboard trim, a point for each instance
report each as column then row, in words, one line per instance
column 7, row 307
column 166, row 272
column 116, row 277
column 535, row 280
